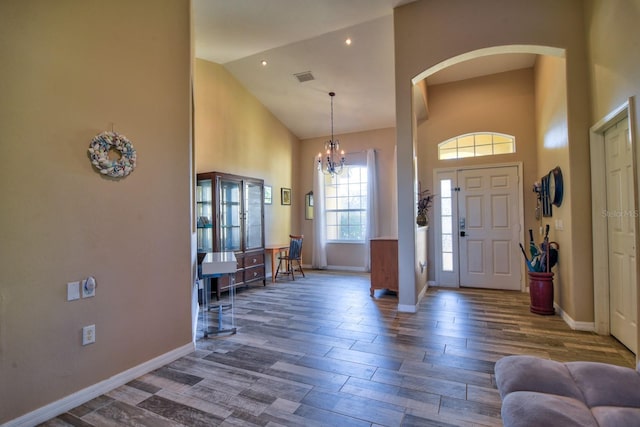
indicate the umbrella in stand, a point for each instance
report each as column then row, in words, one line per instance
column 533, row 249
column 535, row 253
column 526, row 259
column 544, row 257
column 553, row 254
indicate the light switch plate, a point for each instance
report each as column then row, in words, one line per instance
column 73, row 291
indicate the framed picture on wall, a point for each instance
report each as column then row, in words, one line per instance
column 285, row 195
column 268, row 199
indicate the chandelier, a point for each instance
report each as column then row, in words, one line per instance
column 331, row 165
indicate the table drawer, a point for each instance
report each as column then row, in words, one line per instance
column 223, row 281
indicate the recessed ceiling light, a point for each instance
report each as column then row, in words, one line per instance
column 348, row 41
column 263, row 63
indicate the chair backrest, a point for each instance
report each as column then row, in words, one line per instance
column 295, row 246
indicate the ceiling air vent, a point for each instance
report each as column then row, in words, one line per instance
column 304, row 76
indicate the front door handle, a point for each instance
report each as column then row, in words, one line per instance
column 462, row 234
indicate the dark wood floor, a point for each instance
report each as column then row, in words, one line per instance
column 321, row 352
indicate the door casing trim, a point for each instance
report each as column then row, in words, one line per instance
column 437, row 236
column 599, row 202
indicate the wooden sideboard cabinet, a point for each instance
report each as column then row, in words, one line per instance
column 384, row 264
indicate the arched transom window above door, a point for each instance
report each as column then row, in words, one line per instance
column 476, row 144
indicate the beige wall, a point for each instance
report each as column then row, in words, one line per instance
column 235, row 133
column 501, row 103
column 614, row 65
column 351, row 256
column 71, row 69
column 425, row 37
column 553, row 150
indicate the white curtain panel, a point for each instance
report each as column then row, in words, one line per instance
column 372, row 206
column 319, row 249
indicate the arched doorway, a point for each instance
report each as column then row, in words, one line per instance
column 467, row 67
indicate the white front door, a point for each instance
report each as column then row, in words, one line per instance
column 621, row 215
column 479, row 228
column 488, row 209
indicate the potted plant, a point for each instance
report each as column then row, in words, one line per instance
column 425, row 200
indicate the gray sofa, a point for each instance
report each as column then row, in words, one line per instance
column 541, row 392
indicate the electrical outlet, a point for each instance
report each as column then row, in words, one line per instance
column 89, row 334
column 89, row 287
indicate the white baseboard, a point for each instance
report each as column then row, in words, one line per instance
column 578, row 326
column 63, row 405
column 329, row 267
column 345, row 268
column 422, row 293
column 406, row 308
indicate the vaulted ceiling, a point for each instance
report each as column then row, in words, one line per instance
column 309, row 36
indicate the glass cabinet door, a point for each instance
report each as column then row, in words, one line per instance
column 229, row 227
column 204, row 215
column 253, row 205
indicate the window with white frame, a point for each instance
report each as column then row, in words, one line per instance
column 476, row 144
column 346, row 204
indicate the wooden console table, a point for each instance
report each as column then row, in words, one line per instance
column 384, row 264
column 273, row 250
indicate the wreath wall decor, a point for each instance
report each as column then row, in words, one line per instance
column 99, row 149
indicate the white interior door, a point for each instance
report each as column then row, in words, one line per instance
column 621, row 233
column 478, row 228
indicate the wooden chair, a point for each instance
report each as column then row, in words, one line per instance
column 294, row 254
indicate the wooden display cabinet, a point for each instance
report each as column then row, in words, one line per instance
column 230, row 217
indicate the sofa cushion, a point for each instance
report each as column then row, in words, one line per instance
column 615, row 416
column 606, row 385
column 538, row 392
column 528, row 373
column 526, row 409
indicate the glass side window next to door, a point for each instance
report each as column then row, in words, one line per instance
column 446, row 220
column 346, row 205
